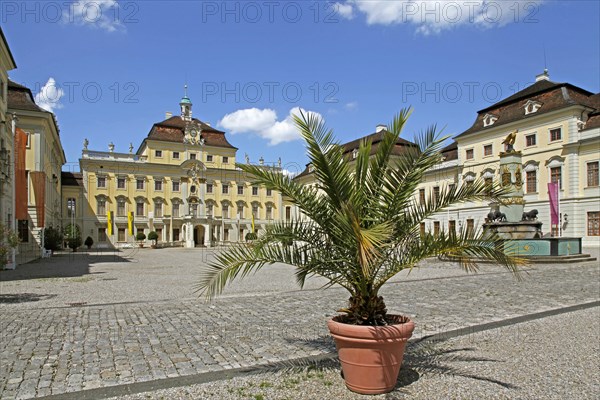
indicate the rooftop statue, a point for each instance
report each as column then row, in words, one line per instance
column 509, row 141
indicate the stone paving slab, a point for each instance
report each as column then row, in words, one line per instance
column 47, row 351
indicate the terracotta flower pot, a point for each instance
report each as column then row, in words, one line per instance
column 371, row 355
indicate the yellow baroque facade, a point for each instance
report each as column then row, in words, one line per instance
column 557, row 129
column 181, row 183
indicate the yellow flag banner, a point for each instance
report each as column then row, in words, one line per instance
column 109, row 222
column 130, row 222
column 252, row 222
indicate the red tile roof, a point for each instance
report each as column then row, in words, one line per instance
column 553, row 96
column 173, row 130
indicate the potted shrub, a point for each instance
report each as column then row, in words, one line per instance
column 250, row 236
column 72, row 237
column 362, row 228
column 52, row 239
column 140, row 237
column 154, row 237
column 89, row 242
column 8, row 241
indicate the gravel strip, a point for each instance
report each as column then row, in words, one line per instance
column 551, row 358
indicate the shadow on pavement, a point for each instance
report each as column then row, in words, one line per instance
column 23, row 297
column 62, row 265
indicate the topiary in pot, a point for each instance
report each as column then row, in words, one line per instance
column 361, row 228
column 72, row 236
column 154, row 237
column 89, row 242
column 140, row 237
column 52, row 239
column 250, row 236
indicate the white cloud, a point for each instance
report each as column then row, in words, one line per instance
column 49, row 96
column 344, row 10
column 291, row 174
column 353, row 105
column 264, row 123
column 435, row 16
column 101, row 14
column 248, row 120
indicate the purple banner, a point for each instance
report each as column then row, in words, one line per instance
column 553, row 195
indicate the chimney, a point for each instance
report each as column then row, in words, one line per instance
column 543, row 76
column 168, row 114
column 380, row 128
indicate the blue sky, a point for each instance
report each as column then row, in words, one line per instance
column 110, row 69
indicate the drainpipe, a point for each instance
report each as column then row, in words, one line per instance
column 13, row 219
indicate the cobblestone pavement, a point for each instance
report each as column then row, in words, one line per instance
column 47, row 349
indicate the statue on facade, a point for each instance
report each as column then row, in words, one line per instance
column 509, row 141
column 279, row 162
column 85, row 144
column 111, row 147
column 247, row 158
column 261, row 161
column 130, row 147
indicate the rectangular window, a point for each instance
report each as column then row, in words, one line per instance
column 469, row 154
column 255, row 211
column 209, row 158
column 254, row 190
column 102, row 235
column 555, row 134
column 176, row 155
column 23, row 230
column 470, row 227
column 101, row 206
column 101, row 182
column 269, row 192
column 175, row 209
column 225, row 160
column 422, row 196
column 120, row 183
column 121, row 209
column 593, row 225
column 269, row 211
column 209, row 210
column 452, row 227
column 159, row 233
column 489, row 184
column 176, row 186
column 158, row 207
column 226, row 234
column 225, row 189
column 139, row 184
column 241, row 237
column 436, row 228
column 71, row 207
column 556, row 175
column 436, row 194
column 422, row 229
column 225, row 211
column 240, row 212
column 288, row 213
column 194, row 209
column 530, row 140
column 158, row 153
column 487, row 150
column 240, row 189
column 158, row 185
column 531, row 177
column 592, row 173
column 139, row 209
column 121, row 235
column 209, row 188
column 176, row 234
column 192, row 156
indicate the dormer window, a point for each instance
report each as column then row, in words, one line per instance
column 354, row 153
column 532, row 107
column 489, row 119
column 311, row 168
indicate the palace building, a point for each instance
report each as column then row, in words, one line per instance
column 181, row 183
column 558, row 134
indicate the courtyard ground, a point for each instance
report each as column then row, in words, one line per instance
column 100, row 324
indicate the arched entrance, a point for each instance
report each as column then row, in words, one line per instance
column 199, row 232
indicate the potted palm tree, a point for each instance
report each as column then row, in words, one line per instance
column 362, row 227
